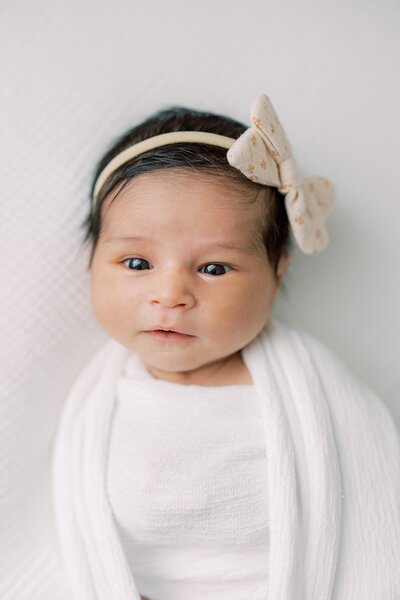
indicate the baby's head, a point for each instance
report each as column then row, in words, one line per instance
column 182, row 241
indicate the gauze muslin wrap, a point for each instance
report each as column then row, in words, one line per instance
column 333, row 470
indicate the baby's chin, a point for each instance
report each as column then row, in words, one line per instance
column 170, row 356
column 183, row 369
column 182, row 361
column 173, row 366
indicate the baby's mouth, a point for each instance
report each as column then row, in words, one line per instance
column 169, row 334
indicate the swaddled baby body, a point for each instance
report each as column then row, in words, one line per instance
column 186, row 483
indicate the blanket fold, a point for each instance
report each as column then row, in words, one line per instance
column 333, row 471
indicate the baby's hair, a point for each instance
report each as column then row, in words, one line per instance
column 273, row 229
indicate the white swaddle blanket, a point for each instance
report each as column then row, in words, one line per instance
column 333, row 473
column 187, row 487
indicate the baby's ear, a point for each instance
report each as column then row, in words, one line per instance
column 283, row 264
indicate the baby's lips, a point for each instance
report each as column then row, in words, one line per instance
column 162, row 328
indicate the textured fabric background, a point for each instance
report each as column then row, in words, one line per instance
column 73, row 75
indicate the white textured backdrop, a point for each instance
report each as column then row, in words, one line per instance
column 75, row 74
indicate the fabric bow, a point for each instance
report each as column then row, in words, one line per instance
column 263, row 154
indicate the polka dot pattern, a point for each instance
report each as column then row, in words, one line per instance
column 263, row 154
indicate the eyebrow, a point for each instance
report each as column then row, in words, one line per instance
column 244, row 248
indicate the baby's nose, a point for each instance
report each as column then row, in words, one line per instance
column 173, row 289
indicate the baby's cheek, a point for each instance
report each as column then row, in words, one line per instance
column 252, row 310
column 108, row 311
column 98, row 306
column 228, row 319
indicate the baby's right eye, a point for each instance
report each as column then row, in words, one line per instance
column 137, row 264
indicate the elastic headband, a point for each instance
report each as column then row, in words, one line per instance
column 174, row 137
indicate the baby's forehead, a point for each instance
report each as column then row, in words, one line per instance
column 185, row 210
column 191, row 188
column 196, row 213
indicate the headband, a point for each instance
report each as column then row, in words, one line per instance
column 263, row 154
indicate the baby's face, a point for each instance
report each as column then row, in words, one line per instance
column 177, row 252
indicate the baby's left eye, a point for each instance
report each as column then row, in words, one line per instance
column 215, row 269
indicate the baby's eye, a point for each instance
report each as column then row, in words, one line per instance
column 215, row 269
column 137, row 264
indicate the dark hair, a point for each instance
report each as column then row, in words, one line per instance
column 273, row 229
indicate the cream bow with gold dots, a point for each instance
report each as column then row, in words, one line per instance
column 263, row 154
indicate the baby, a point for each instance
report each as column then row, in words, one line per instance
column 219, row 405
